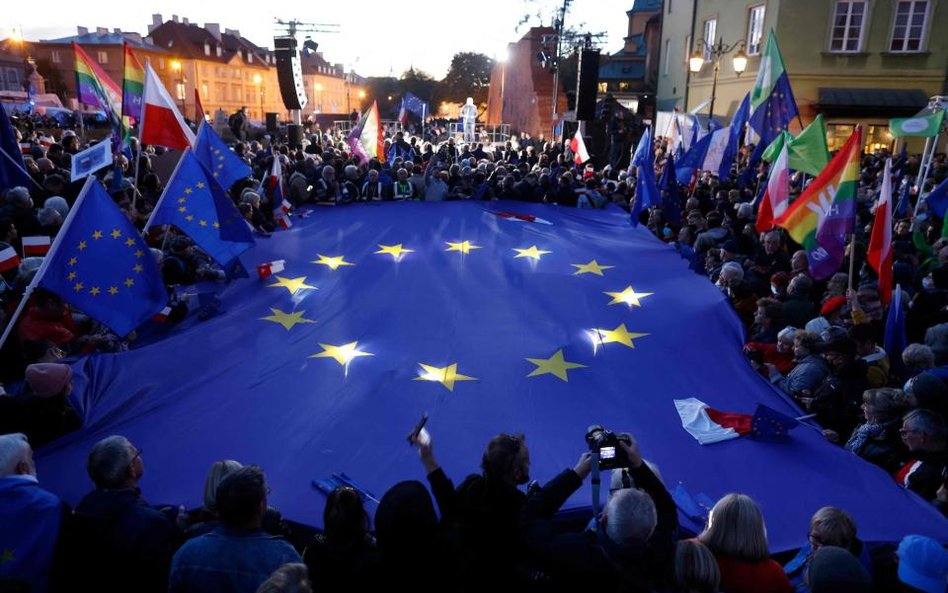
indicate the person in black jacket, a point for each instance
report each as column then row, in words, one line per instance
column 629, row 548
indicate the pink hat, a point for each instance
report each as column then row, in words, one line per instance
column 47, row 379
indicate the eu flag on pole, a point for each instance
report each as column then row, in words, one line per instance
column 413, row 104
column 671, row 197
column 225, row 166
column 775, row 114
column 100, row 264
column 12, row 170
column 733, row 143
column 693, row 159
column 194, row 203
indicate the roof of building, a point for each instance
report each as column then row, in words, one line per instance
column 313, row 62
column 188, row 41
column 111, row 38
column 621, row 70
column 646, row 6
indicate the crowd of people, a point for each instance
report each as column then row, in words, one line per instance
column 821, row 341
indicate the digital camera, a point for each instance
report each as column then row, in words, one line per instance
column 607, row 444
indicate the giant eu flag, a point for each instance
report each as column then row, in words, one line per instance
column 100, row 264
column 489, row 316
column 196, row 204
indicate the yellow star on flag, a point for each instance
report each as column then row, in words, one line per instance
column 97, row 235
column 619, row 335
column 592, row 267
column 447, row 376
column 189, row 217
column 139, row 253
column 138, row 268
column 395, row 251
column 291, row 284
column 129, row 282
column 200, row 185
column 116, row 233
column 341, row 354
column 71, row 276
column 182, row 200
column 113, row 290
column 202, row 222
column 334, row 263
column 72, row 261
column 463, row 246
column 182, row 209
column 94, row 291
column 82, row 245
column 532, row 252
column 628, row 296
column 554, row 365
column 130, row 242
column 78, row 287
column 287, row 320
column 188, row 190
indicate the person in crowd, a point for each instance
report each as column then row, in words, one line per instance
column 738, row 539
column 917, row 358
column 798, row 308
column 923, row 564
column 42, row 411
column 768, row 321
column 695, row 569
column 117, row 537
column 31, row 517
column 810, row 369
column 292, row 577
column 835, row 569
column 837, row 400
column 345, row 554
column 878, row 440
column 829, row 526
column 237, row 556
column 206, row 518
column 926, row 437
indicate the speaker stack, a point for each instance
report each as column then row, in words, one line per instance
column 289, row 72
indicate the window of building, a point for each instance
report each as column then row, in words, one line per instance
column 56, row 57
column 219, row 51
column 847, row 26
column 710, row 30
column 667, row 56
column 235, row 92
column 755, row 29
column 603, row 87
column 687, row 48
column 179, row 90
column 103, row 57
column 669, row 6
column 207, row 48
column 161, row 63
column 204, row 94
column 908, row 29
column 220, row 91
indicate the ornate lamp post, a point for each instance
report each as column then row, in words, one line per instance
column 715, row 53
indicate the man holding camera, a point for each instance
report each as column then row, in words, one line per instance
column 629, row 545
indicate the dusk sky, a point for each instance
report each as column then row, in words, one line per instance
column 375, row 38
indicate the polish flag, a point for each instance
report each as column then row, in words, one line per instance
column 708, row 425
column 267, row 269
column 880, row 244
column 777, row 196
column 284, row 222
column 580, row 154
column 8, row 259
column 162, row 123
column 36, row 246
column 275, row 186
column 162, row 316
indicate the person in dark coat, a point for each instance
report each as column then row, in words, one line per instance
column 926, row 435
column 836, row 402
column 877, row 440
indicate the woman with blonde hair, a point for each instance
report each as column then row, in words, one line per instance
column 738, row 539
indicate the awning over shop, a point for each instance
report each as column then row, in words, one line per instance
column 871, row 102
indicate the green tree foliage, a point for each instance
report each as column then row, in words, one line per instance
column 468, row 76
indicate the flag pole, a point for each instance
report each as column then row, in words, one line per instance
column 920, row 180
column 57, row 241
column 852, row 258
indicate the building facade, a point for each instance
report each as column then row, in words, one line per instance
column 631, row 74
column 855, row 61
column 675, row 48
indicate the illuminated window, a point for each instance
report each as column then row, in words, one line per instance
column 755, row 29
column 847, row 26
column 103, row 57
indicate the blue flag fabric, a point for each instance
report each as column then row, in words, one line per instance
column 693, row 160
column 413, row 104
column 100, row 264
column 12, row 170
column 225, row 166
column 646, row 187
column 196, row 204
column 894, row 341
column 776, row 112
column 734, row 141
column 902, row 207
column 671, row 197
column 937, row 199
column 325, row 368
column 644, row 150
column 768, row 423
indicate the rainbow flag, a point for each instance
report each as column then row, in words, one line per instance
column 824, row 214
column 365, row 140
column 133, row 85
column 96, row 89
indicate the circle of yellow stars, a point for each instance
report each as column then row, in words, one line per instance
column 556, row 365
column 114, row 236
column 188, row 217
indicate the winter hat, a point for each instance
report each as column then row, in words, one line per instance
column 923, row 563
column 834, row 569
column 47, row 379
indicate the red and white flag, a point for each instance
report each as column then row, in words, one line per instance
column 580, row 154
column 777, row 196
column 8, row 259
column 36, row 246
column 284, row 221
column 880, row 244
column 162, row 316
column 162, row 123
column 275, row 188
column 708, row 425
column 267, row 269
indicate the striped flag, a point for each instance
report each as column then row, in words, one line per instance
column 777, row 195
column 366, row 140
column 133, row 85
column 36, row 246
column 880, row 244
column 8, row 259
column 267, row 269
column 161, row 122
column 95, row 88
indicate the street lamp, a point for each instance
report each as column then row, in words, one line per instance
column 716, row 52
column 258, row 80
